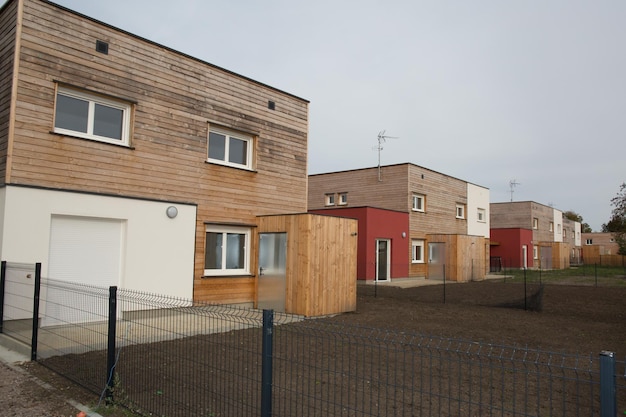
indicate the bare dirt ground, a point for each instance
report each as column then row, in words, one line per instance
column 569, row 319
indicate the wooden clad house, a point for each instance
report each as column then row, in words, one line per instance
column 552, row 241
column 124, row 162
column 448, row 218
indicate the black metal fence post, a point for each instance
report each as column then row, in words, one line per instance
column 3, row 277
column 36, row 295
column 525, row 297
column 111, row 343
column 266, row 363
column 608, row 400
column 444, row 283
column 595, row 272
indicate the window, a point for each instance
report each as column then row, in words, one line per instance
column 418, row 251
column 535, row 223
column 91, row 117
column 558, row 228
column 551, row 227
column 589, row 242
column 460, row 211
column 227, row 251
column 482, row 215
column 329, row 199
column 229, row 148
column 343, row 199
column 535, row 252
column 564, row 232
column 418, row 202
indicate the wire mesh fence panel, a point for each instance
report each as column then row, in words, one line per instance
column 17, row 311
column 323, row 370
column 175, row 357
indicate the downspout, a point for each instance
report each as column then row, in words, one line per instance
column 14, row 81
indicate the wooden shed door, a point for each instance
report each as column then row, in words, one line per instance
column 272, row 271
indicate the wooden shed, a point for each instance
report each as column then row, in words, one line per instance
column 318, row 257
column 465, row 257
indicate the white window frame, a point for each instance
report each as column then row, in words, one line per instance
column 329, row 199
column 589, row 242
column 417, row 245
column 482, row 215
column 248, row 139
column 535, row 223
column 224, row 230
column 92, row 100
column 418, row 202
column 460, row 211
column 343, row 199
column 535, row 252
column 551, row 226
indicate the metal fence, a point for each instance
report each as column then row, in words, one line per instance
column 163, row 356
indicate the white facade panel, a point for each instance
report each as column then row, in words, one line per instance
column 577, row 236
column 477, row 201
column 558, row 225
column 156, row 251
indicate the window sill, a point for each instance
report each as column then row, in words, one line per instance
column 231, row 166
column 66, row 135
column 228, row 276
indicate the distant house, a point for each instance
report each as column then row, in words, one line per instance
column 127, row 163
column 413, row 221
column 527, row 234
column 598, row 245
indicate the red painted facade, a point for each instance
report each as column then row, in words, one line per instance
column 508, row 245
column 376, row 224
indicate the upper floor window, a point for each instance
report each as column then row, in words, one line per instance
column 230, row 148
column 535, row 252
column 460, row 211
column 329, row 199
column 343, row 199
column 558, row 228
column 551, row 227
column 227, row 251
column 589, row 242
column 564, row 232
column 418, row 202
column 90, row 116
column 535, row 223
column 482, row 215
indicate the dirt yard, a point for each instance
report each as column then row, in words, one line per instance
column 566, row 319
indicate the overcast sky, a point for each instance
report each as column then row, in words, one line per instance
column 487, row 91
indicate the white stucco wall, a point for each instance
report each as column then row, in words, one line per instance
column 558, row 225
column 158, row 252
column 477, row 198
column 577, row 234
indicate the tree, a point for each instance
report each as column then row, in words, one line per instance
column 617, row 224
column 572, row 215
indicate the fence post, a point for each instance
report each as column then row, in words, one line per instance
column 595, row 272
column 266, row 363
column 608, row 400
column 525, row 297
column 444, row 283
column 3, row 277
column 111, row 343
column 36, row 295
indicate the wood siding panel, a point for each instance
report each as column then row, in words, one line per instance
column 8, row 18
column 363, row 188
column 176, row 100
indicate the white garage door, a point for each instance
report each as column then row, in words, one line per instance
column 83, row 250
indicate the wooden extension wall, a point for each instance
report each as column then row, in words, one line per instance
column 321, row 262
column 466, row 256
column 8, row 20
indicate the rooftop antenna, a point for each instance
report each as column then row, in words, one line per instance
column 512, row 185
column 382, row 138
